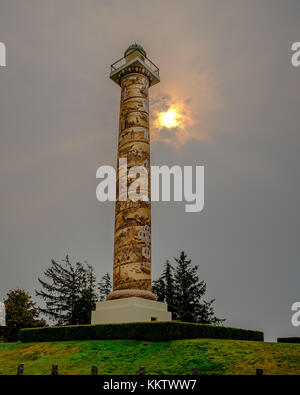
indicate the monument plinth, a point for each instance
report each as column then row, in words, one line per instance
column 135, row 74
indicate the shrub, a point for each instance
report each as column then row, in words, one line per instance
column 288, row 340
column 21, row 312
column 149, row 331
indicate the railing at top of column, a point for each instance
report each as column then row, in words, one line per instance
column 119, row 63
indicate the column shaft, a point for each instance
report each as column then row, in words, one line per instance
column 132, row 242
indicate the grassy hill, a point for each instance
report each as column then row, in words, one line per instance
column 171, row 357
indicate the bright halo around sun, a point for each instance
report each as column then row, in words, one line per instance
column 169, row 119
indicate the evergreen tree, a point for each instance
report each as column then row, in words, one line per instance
column 69, row 295
column 87, row 300
column 21, row 312
column 159, row 289
column 104, row 287
column 188, row 292
column 181, row 288
column 164, row 286
column 169, row 284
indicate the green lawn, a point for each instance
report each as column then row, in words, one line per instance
column 171, row 357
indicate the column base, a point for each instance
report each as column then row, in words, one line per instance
column 129, row 293
column 130, row 309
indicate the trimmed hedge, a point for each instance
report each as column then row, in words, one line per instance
column 288, row 340
column 149, row 331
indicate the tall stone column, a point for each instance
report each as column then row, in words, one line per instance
column 132, row 238
column 132, row 247
column 132, row 299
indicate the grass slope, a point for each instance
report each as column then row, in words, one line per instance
column 171, row 357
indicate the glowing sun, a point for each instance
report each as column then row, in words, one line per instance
column 169, row 119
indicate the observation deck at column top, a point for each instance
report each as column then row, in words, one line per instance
column 134, row 59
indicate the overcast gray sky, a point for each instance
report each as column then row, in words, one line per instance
column 229, row 65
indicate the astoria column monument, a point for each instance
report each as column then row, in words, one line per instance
column 132, row 299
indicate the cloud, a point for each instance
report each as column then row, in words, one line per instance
column 194, row 99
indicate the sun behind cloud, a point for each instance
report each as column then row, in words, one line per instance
column 171, row 114
column 169, row 119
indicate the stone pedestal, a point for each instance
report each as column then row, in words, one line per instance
column 130, row 310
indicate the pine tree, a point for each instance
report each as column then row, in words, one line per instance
column 159, row 289
column 104, row 287
column 87, row 300
column 69, row 295
column 188, row 294
column 163, row 288
column 181, row 288
column 21, row 312
column 169, row 285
